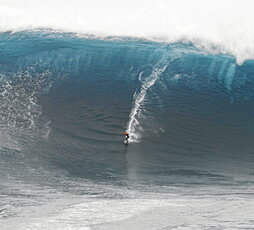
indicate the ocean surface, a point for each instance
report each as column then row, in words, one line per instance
column 66, row 97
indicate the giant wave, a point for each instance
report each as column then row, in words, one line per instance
column 180, row 81
column 33, row 62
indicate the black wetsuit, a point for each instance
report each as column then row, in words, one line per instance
column 127, row 137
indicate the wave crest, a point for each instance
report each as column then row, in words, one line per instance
column 218, row 26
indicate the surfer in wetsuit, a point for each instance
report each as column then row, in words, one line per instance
column 126, row 136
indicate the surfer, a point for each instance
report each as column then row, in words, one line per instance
column 126, row 137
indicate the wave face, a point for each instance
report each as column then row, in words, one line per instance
column 217, row 26
column 65, row 100
column 155, row 91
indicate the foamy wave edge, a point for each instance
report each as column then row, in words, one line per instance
column 214, row 26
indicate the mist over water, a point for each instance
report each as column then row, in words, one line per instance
column 177, row 75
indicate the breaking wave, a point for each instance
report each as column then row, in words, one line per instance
column 216, row 26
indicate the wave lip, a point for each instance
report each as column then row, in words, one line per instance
column 217, row 26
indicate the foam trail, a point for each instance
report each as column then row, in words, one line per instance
column 138, row 98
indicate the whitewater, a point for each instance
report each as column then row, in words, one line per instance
column 216, row 26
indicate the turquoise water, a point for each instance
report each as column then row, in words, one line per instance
column 64, row 102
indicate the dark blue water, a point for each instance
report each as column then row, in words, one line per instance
column 65, row 101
